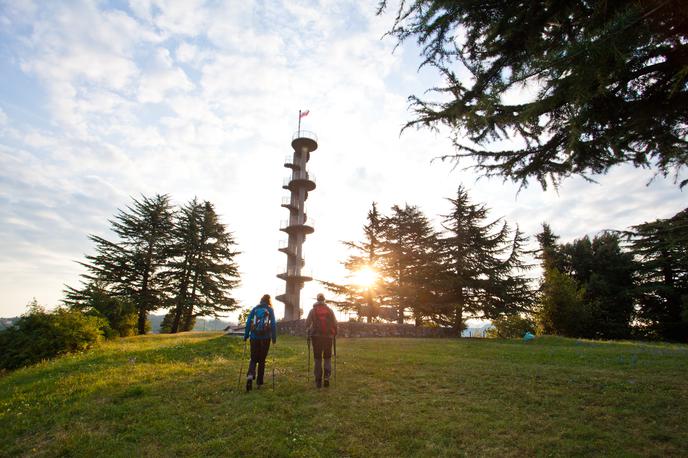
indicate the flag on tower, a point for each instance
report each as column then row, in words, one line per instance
column 303, row 113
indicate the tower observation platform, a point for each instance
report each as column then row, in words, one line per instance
column 299, row 183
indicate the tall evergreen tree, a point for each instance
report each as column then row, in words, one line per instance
column 366, row 300
column 606, row 273
column 202, row 270
column 548, row 254
column 182, row 251
column 610, row 82
column 483, row 264
column 602, row 271
column 409, row 262
column 661, row 247
column 130, row 267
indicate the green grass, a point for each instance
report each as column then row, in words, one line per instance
column 176, row 395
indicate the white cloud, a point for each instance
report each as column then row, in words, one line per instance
column 186, row 53
column 173, row 17
column 161, row 78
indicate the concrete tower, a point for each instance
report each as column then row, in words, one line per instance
column 299, row 183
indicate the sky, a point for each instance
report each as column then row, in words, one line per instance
column 104, row 101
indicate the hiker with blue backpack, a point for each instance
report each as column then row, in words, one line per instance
column 261, row 329
column 321, row 325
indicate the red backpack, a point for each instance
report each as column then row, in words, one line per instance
column 323, row 320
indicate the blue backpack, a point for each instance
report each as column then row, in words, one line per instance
column 260, row 326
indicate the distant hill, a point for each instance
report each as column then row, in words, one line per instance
column 7, row 322
column 202, row 324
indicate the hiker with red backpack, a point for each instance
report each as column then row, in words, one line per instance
column 260, row 328
column 321, row 325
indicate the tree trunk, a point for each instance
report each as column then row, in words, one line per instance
column 177, row 319
column 458, row 320
column 188, row 315
column 143, row 315
column 145, row 300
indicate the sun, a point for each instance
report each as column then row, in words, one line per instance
column 365, row 277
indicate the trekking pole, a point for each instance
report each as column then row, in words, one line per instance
column 273, row 372
column 308, row 373
column 241, row 367
column 334, row 340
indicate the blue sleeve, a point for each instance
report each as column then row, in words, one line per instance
column 248, row 325
column 273, row 325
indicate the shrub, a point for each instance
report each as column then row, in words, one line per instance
column 511, row 326
column 40, row 335
column 120, row 313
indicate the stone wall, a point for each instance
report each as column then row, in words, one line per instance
column 355, row 329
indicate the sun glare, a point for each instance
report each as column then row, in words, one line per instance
column 365, row 277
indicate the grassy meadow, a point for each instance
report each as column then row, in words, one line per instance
column 165, row 395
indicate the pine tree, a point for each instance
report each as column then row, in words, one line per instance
column 182, row 251
column 548, row 254
column 367, row 300
column 601, row 269
column 130, row 267
column 605, row 272
column 409, row 262
column 202, row 271
column 610, row 79
column 661, row 248
column 483, row 265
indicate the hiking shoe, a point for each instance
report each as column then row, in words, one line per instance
column 318, row 383
column 249, row 385
column 326, row 383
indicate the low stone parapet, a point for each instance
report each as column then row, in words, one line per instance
column 356, row 329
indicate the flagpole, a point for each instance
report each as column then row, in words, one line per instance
column 299, row 134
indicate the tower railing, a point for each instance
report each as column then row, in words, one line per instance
column 295, row 272
column 304, row 134
column 285, row 223
column 299, row 176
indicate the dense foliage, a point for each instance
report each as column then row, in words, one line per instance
column 40, row 335
column 511, row 326
column 182, row 259
column 131, row 266
column 200, row 271
column 369, row 300
column 600, row 288
column 120, row 312
column 483, row 264
column 609, row 81
column 471, row 268
column 661, row 248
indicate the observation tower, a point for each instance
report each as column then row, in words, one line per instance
column 299, row 183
